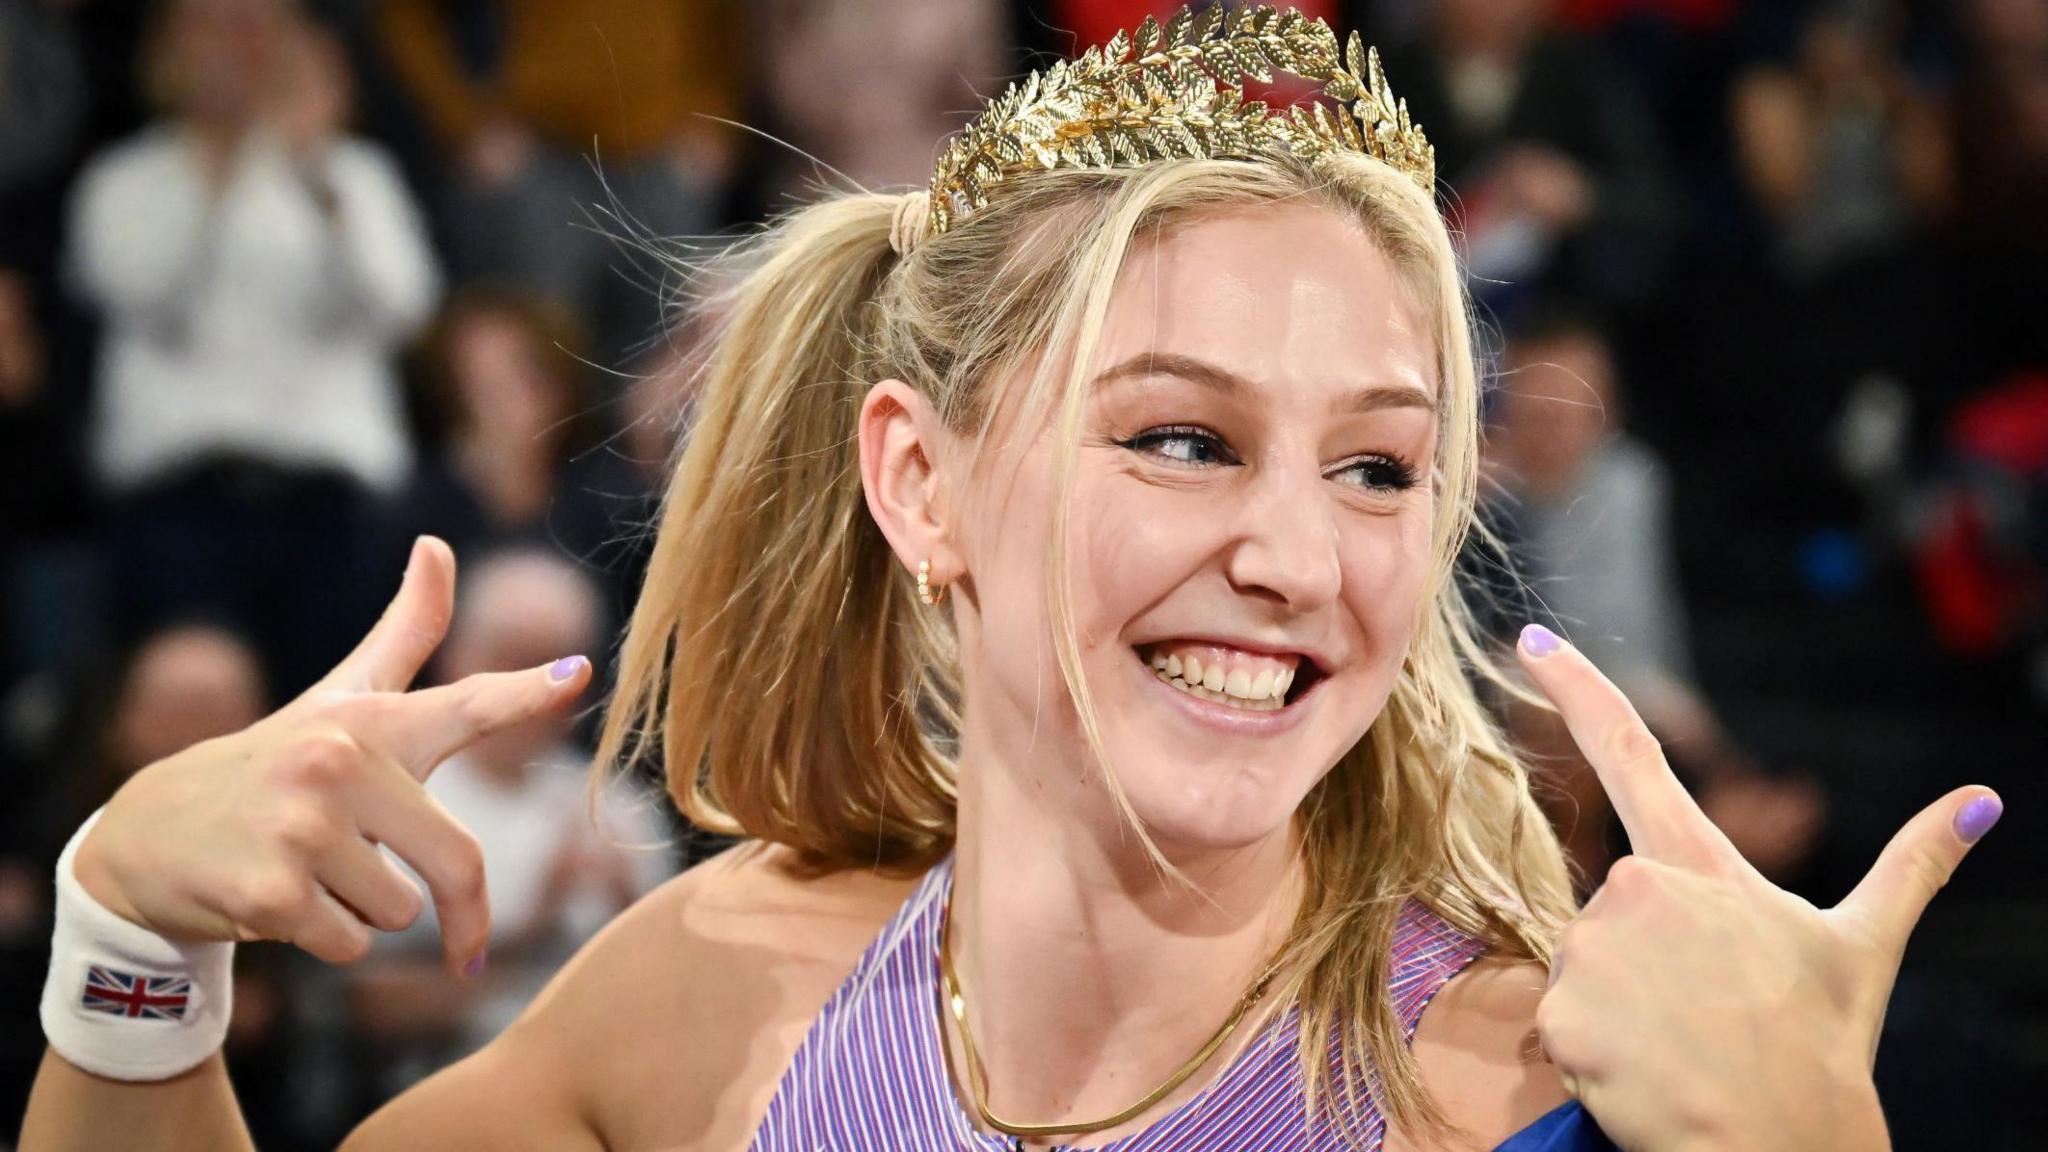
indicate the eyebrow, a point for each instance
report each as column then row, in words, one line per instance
column 1218, row 379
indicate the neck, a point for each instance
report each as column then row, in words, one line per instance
column 216, row 140
column 1090, row 976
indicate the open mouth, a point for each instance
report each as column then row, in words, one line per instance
column 1232, row 677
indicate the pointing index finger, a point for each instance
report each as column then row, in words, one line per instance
column 1662, row 821
column 421, row 729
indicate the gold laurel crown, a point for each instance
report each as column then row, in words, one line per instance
column 1175, row 91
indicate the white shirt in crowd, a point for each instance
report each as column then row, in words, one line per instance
column 249, row 320
column 524, row 829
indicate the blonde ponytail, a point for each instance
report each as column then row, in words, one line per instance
column 774, row 659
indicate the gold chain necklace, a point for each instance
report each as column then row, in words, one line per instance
column 977, row 1076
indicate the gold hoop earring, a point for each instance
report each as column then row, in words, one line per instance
column 925, row 592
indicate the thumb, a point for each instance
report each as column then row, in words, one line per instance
column 1918, row 862
column 414, row 624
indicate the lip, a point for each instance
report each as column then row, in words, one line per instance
column 1222, row 717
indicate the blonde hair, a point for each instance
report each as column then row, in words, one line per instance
column 770, row 585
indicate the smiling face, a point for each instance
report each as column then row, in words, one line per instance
column 1251, row 518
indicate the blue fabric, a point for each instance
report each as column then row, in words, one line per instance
column 1565, row 1128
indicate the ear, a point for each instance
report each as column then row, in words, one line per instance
column 901, row 443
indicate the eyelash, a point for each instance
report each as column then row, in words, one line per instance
column 1396, row 475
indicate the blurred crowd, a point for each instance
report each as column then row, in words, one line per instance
column 284, row 283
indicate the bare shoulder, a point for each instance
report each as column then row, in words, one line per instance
column 1477, row 1051
column 690, row 1005
column 672, row 1027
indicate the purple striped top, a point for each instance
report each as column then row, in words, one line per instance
column 871, row 1074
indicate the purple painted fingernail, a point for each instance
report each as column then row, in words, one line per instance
column 566, row 668
column 1977, row 817
column 1538, row 640
column 475, row 967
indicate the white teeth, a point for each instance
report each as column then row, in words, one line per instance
column 1267, row 705
column 1263, row 690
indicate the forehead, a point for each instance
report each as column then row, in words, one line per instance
column 1287, row 296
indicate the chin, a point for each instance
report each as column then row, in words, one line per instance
column 1181, row 827
column 1204, row 776
column 1199, row 767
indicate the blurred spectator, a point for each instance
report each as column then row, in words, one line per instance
column 21, row 345
column 186, row 684
column 1558, row 169
column 1590, row 507
column 1841, row 150
column 1981, row 547
column 527, row 96
column 1827, row 301
column 525, row 459
column 1982, row 555
column 2001, row 130
column 867, row 86
column 183, row 684
column 255, row 268
column 554, row 876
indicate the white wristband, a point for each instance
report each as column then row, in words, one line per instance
column 123, row 1002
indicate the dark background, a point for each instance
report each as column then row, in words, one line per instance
column 1806, row 236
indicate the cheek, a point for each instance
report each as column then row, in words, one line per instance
column 1133, row 546
column 1129, row 548
column 1005, row 537
column 1386, row 566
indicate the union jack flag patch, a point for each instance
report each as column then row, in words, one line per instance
column 136, row 997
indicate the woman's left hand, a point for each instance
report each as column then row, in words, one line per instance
column 1692, row 1003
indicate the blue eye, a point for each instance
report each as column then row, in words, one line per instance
column 1197, row 447
column 1182, row 444
column 1380, row 473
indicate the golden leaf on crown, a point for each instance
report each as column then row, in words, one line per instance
column 1175, row 91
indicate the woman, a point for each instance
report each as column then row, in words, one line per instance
column 523, row 462
column 257, row 269
column 1016, row 880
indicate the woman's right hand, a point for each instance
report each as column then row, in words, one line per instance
column 272, row 833
column 1693, row 1004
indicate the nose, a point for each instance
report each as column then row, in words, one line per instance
column 1287, row 540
